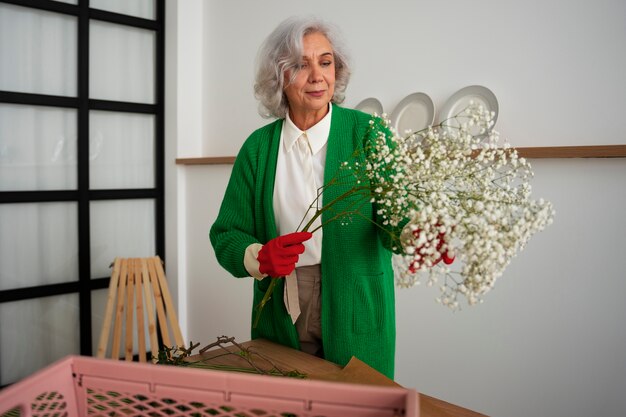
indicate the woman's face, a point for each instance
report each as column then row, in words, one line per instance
column 314, row 84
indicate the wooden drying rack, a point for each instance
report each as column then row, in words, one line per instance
column 137, row 290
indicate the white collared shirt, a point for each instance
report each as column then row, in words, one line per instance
column 291, row 197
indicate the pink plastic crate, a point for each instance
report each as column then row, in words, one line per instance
column 84, row 386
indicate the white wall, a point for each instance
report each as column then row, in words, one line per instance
column 549, row 340
column 556, row 66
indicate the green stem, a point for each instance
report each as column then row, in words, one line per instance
column 318, row 212
column 328, row 206
column 266, row 297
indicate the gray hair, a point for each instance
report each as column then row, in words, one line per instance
column 282, row 51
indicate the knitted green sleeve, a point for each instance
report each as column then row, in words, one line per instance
column 233, row 230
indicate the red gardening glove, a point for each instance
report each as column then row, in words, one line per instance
column 278, row 257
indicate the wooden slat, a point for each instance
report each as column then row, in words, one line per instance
column 130, row 298
column 141, row 335
column 158, row 300
column 152, row 333
column 119, row 311
column 108, row 313
column 169, row 305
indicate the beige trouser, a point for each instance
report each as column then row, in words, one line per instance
column 309, row 324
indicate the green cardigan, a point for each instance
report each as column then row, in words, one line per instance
column 358, row 300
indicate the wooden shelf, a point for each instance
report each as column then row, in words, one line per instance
column 598, row 151
column 206, row 160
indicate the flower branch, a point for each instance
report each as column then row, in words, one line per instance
column 452, row 188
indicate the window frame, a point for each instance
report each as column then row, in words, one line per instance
column 83, row 195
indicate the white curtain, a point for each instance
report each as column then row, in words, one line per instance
column 121, row 63
column 36, row 332
column 37, row 148
column 38, row 245
column 38, row 51
column 121, row 150
column 120, row 228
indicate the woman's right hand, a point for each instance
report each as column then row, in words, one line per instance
column 278, row 257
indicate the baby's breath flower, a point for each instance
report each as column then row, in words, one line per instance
column 453, row 190
column 462, row 192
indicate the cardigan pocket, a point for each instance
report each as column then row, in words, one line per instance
column 368, row 309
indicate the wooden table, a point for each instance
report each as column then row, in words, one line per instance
column 267, row 355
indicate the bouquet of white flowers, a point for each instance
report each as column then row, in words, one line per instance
column 455, row 201
column 465, row 195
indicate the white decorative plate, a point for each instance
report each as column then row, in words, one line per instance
column 370, row 106
column 414, row 113
column 461, row 99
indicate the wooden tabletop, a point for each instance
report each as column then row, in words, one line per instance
column 269, row 356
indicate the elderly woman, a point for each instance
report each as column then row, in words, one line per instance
column 337, row 296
